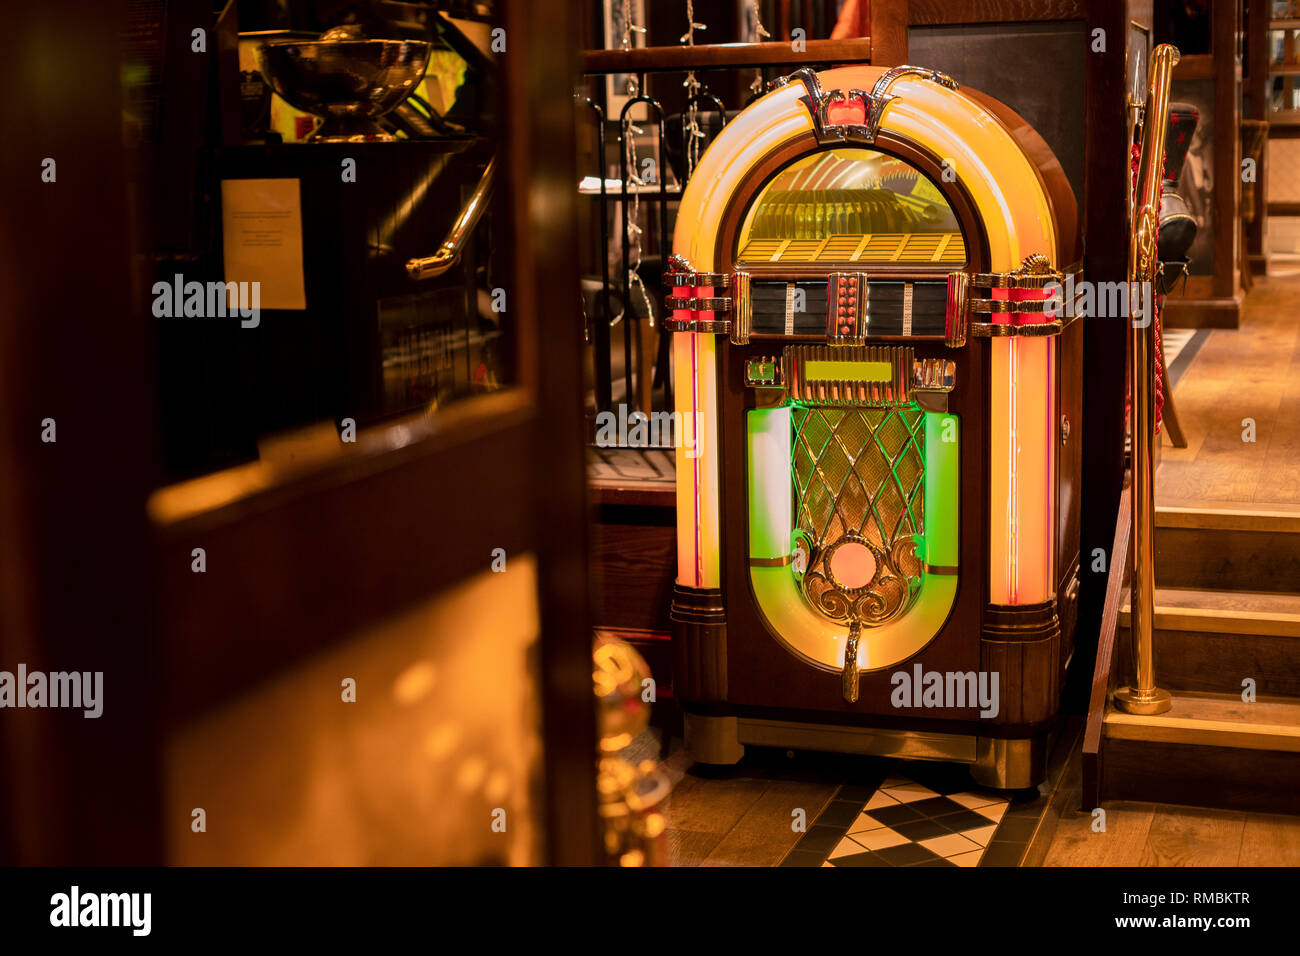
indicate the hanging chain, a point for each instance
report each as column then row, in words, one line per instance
column 634, row 231
column 693, row 134
column 691, row 26
column 760, row 34
column 628, row 27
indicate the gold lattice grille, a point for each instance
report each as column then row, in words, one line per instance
column 859, row 471
column 859, row 476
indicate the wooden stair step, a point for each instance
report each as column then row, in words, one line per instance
column 1228, row 547
column 1243, row 516
column 1215, row 720
column 1211, row 750
column 1266, row 613
column 1210, row 641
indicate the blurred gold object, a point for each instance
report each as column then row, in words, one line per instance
column 620, row 675
column 631, row 805
column 631, row 796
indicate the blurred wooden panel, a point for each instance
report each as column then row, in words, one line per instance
column 445, row 730
column 633, row 565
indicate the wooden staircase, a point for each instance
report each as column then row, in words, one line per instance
column 1227, row 617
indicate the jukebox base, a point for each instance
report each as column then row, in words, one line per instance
column 1003, row 763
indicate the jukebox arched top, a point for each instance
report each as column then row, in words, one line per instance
column 990, row 169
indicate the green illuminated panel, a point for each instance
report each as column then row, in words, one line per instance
column 847, row 371
column 942, row 438
column 780, row 451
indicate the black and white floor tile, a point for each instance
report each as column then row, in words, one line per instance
column 910, row 813
column 906, row 823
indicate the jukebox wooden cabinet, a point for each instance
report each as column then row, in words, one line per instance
column 879, row 377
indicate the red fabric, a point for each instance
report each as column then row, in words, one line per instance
column 854, row 21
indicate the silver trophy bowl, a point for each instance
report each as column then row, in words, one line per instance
column 346, row 82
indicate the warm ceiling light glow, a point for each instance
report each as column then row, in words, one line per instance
column 441, row 741
column 414, row 683
column 471, row 774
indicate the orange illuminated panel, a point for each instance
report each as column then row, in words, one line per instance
column 848, row 206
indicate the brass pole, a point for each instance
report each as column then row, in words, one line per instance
column 1145, row 697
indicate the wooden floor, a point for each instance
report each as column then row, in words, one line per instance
column 743, row 818
column 1150, row 834
column 1252, row 372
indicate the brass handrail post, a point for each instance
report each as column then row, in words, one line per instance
column 1144, row 697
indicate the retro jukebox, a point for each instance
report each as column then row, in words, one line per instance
column 879, row 381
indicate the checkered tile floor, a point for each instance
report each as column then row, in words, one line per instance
column 908, row 824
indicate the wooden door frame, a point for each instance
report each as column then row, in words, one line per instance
column 424, row 502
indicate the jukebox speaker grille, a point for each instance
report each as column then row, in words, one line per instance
column 859, row 476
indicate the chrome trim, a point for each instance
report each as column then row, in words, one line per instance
column 679, row 263
column 925, row 381
column 742, row 320
column 701, row 310
column 997, row 330
column 806, row 391
column 954, row 323
column 818, row 101
column 719, row 280
column 712, row 304
column 933, row 375
column 845, row 738
column 1018, row 280
column 707, row 326
column 1019, row 307
column 757, row 369
column 1010, row 763
column 891, row 76
column 449, row 252
column 1033, row 274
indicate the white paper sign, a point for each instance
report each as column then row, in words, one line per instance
column 262, row 239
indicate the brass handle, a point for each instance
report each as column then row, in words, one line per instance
column 449, row 252
column 849, row 676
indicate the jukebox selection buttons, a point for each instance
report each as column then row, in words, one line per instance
column 846, row 310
